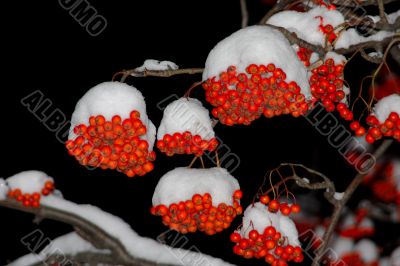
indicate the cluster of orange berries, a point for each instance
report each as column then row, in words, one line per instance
column 304, row 55
column 275, row 206
column 357, row 231
column 31, row 200
column 383, row 183
column 114, row 144
column 186, row 143
column 389, row 128
column 199, row 214
column 270, row 244
column 327, row 29
column 326, row 84
column 240, row 98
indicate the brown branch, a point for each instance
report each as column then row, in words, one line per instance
column 97, row 236
column 342, row 203
column 372, row 59
column 245, row 13
column 157, row 73
column 293, row 39
column 350, row 3
column 279, row 6
column 382, row 14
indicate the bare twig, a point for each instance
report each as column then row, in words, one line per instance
column 245, row 13
column 382, row 14
column 350, row 3
column 342, row 203
column 155, row 73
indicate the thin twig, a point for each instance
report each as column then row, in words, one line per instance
column 157, row 73
column 245, row 13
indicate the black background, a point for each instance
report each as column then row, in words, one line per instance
column 45, row 49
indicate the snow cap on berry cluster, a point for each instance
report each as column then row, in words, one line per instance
column 182, row 183
column 385, row 106
column 306, row 25
column 257, row 217
column 258, row 45
column 186, row 114
column 3, row 189
column 29, row 181
column 367, row 250
column 110, row 99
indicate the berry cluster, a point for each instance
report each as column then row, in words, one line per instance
column 327, row 30
column 270, row 244
column 199, row 214
column 275, row 206
column 31, row 200
column 357, row 230
column 383, row 183
column 377, row 130
column 326, row 84
column 186, row 143
column 240, row 98
column 354, row 259
column 114, row 144
column 304, row 55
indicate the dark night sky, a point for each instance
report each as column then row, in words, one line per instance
column 46, row 49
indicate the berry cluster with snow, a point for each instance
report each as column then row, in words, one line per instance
column 186, row 128
column 384, row 121
column 363, row 253
column 29, row 187
column 197, row 199
column 268, row 233
column 110, row 129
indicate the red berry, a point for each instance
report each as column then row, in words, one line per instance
column 264, row 199
column 235, row 237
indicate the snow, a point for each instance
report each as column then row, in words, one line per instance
column 306, row 180
column 257, row 217
column 186, row 114
column 257, row 45
column 109, row 99
column 342, row 245
column 367, row 250
column 390, row 17
column 137, row 246
column 69, row 244
column 385, row 261
column 3, row 189
column 395, row 257
column 306, row 24
column 156, row 65
column 29, row 181
column 182, row 183
column 351, row 37
column 338, row 195
column 385, row 106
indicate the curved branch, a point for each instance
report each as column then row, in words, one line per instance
column 96, row 235
column 245, row 13
column 364, row 45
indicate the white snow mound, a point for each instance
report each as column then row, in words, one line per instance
column 367, row 250
column 182, row 183
column 257, row 45
column 109, row 99
column 395, row 257
column 156, row 65
column 257, row 217
column 186, row 114
column 351, row 37
column 342, row 245
column 385, row 106
column 306, row 24
column 29, row 181
column 3, row 189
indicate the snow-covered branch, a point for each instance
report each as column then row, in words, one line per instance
column 108, row 232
